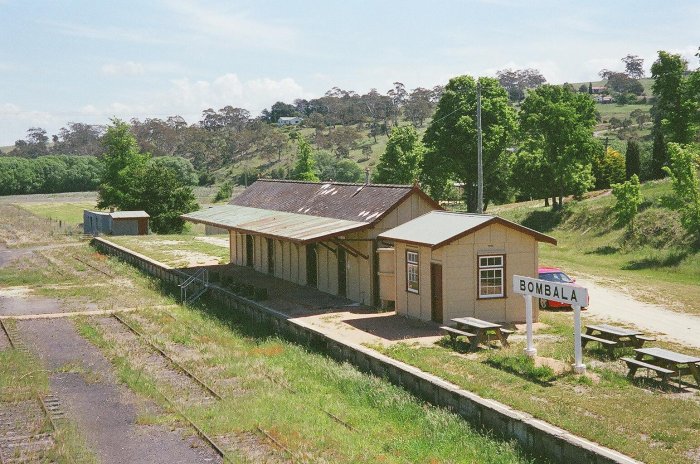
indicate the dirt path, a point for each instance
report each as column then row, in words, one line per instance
column 607, row 303
column 106, row 412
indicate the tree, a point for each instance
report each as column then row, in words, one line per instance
column 418, row 107
column 640, row 117
column 683, row 170
column 33, row 146
column 400, row 162
column 608, row 168
column 451, row 141
column 672, row 111
column 165, row 198
column 79, row 139
column 632, row 159
column 183, row 169
column 560, row 124
column 305, row 167
column 279, row 110
column 531, row 174
column 123, row 165
column 347, row 170
column 518, row 81
column 621, row 83
column 131, row 182
column 398, row 96
column 634, row 66
column 628, row 198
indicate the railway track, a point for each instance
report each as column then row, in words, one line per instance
column 218, row 449
column 23, row 432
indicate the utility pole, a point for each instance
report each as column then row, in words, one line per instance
column 479, row 161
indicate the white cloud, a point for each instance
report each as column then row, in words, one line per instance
column 127, row 68
column 235, row 28
column 111, row 33
column 15, row 120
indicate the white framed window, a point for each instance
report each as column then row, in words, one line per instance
column 491, row 274
column 412, row 280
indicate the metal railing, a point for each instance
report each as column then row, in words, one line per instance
column 194, row 286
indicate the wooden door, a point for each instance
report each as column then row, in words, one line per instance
column 342, row 272
column 143, row 226
column 249, row 250
column 270, row 256
column 311, row 265
column 436, row 292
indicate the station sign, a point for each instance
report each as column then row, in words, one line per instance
column 571, row 294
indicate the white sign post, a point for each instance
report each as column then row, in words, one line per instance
column 564, row 293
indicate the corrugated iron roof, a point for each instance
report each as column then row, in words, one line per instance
column 438, row 228
column 351, row 202
column 289, row 226
column 129, row 214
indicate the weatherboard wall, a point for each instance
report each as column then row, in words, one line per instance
column 460, row 276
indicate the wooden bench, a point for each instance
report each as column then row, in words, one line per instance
column 634, row 364
column 454, row 333
column 645, row 338
column 608, row 344
column 507, row 332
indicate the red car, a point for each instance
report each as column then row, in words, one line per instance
column 554, row 274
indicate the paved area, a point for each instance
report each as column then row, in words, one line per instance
column 105, row 411
column 617, row 306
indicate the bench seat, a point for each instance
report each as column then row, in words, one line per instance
column 591, row 338
column 645, row 338
column 454, row 333
column 634, row 364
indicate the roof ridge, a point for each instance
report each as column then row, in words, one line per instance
column 355, row 184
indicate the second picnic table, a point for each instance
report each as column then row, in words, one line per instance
column 665, row 363
column 482, row 330
column 610, row 336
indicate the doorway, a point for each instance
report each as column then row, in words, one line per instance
column 270, row 256
column 436, row 292
column 249, row 250
column 311, row 265
column 342, row 272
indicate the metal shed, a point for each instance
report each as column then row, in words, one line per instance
column 115, row 222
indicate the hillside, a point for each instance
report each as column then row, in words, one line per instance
column 655, row 263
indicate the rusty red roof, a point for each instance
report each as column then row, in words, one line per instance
column 351, row 202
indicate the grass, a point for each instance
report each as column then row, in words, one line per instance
column 656, row 265
column 603, row 407
column 176, row 250
column 65, row 213
column 282, row 388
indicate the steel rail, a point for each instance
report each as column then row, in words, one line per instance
column 181, row 368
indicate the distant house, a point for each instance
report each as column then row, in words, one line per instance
column 603, row 99
column 323, row 235
column 289, row 121
column 115, row 223
column 444, row 265
column 596, row 90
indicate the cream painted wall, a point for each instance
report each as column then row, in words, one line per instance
column 459, row 274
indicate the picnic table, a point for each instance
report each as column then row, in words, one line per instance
column 610, row 337
column 664, row 363
column 478, row 331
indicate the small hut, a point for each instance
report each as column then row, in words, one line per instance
column 115, row 222
column 444, row 265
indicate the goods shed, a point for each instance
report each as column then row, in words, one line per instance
column 444, row 265
column 115, row 222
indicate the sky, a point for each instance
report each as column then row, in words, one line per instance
column 89, row 61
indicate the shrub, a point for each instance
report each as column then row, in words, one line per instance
column 224, row 192
column 656, row 228
column 628, row 199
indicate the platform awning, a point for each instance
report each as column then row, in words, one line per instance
column 301, row 228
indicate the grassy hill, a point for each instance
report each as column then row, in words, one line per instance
column 656, row 261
